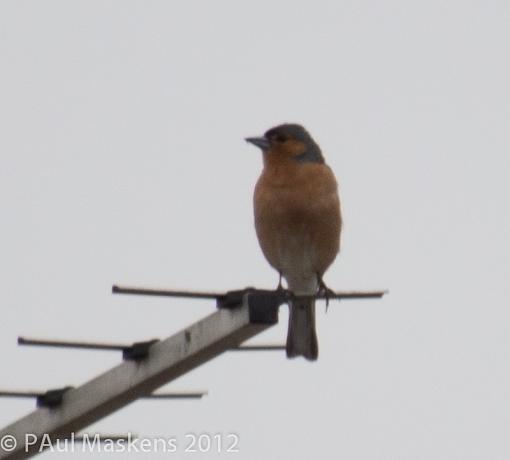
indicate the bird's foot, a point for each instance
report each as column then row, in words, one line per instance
column 325, row 290
column 280, row 285
column 280, row 290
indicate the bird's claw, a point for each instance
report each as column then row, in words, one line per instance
column 280, row 285
column 281, row 291
column 325, row 291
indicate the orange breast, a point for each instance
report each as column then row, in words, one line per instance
column 297, row 217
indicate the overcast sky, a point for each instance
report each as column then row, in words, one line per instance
column 123, row 161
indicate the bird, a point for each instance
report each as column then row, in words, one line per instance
column 298, row 224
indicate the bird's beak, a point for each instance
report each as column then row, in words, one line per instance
column 260, row 142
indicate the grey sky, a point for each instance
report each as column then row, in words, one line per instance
column 123, row 160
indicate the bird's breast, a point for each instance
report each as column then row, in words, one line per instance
column 297, row 219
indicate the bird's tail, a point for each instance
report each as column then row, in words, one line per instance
column 302, row 338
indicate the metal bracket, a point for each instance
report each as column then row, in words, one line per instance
column 262, row 304
column 138, row 351
column 233, row 299
column 52, row 398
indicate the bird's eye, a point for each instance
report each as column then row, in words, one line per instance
column 280, row 138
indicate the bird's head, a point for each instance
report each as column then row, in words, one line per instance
column 288, row 142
